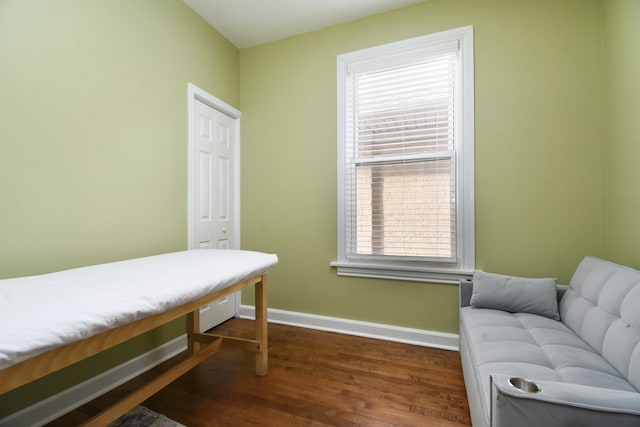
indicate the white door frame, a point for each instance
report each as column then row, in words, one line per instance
column 197, row 94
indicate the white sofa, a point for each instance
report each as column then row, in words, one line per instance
column 537, row 354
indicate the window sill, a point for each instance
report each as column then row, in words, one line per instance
column 396, row 272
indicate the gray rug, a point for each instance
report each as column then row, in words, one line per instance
column 143, row 417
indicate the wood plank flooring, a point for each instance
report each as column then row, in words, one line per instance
column 315, row 379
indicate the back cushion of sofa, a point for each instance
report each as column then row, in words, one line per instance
column 602, row 306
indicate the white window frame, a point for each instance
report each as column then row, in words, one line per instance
column 424, row 271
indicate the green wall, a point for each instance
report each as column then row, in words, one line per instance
column 540, row 157
column 93, row 154
column 93, row 140
column 622, row 36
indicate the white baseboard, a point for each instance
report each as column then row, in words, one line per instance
column 381, row 331
column 57, row 405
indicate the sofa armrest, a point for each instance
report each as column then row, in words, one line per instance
column 464, row 291
column 561, row 289
column 561, row 404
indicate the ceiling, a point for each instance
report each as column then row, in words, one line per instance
column 251, row 22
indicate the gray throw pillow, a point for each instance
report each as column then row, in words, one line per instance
column 515, row 294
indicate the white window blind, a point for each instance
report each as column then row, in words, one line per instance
column 400, row 183
column 400, row 155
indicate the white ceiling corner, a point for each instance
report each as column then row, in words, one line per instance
column 251, row 22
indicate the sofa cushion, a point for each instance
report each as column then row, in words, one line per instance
column 531, row 346
column 601, row 307
column 515, row 294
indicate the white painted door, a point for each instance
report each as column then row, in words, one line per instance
column 214, row 188
column 224, row 180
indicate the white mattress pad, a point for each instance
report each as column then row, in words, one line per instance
column 39, row 313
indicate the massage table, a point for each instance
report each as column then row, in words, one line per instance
column 51, row 321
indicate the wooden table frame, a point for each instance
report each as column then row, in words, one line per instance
column 200, row 347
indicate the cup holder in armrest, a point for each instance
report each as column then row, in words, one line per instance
column 525, row 385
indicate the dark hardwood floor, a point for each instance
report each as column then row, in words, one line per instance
column 315, row 379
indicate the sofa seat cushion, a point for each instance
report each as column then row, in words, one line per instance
column 533, row 347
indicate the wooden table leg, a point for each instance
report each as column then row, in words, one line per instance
column 193, row 327
column 261, row 326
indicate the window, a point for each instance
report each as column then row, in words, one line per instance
column 405, row 159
